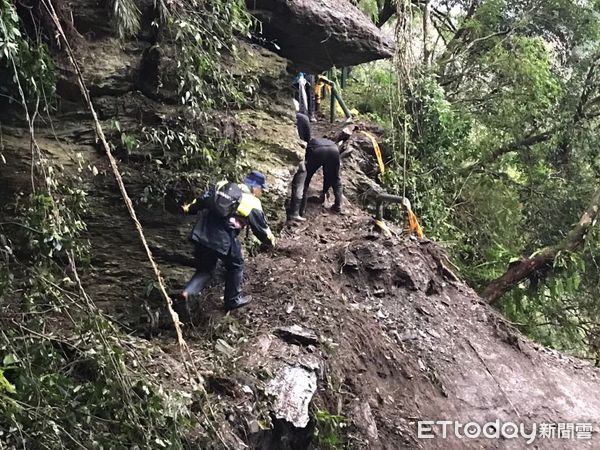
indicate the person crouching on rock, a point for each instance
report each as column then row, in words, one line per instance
column 224, row 211
column 320, row 152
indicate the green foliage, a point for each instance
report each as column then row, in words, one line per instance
column 499, row 133
column 208, row 71
column 6, row 387
column 53, row 222
column 204, row 37
column 185, row 154
column 29, row 64
column 186, row 149
column 125, row 16
column 10, row 35
column 370, row 8
column 68, row 377
column 373, row 92
column 65, row 375
column 329, row 430
column 522, row 69
column 67, row 393
column 127, row 141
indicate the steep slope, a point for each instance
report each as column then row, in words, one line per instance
column 413, row 342
column 390, row 335
column 398, row 337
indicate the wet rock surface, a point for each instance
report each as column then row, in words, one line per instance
column 389, row 335
column 318, row 34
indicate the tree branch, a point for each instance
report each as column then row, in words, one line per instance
column 522, row 144
column 385, row 13
column 462, row 32
column 520, row 270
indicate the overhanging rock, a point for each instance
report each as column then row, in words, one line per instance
column 318, row 34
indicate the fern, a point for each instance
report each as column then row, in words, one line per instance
column 125, row 16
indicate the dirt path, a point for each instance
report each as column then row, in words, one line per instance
column 399, row 340
column 413, row 343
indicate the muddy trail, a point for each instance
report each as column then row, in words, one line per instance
column 388, row 337
column 382, row 327
column 352, row 337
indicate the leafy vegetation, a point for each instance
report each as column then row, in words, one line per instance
column 126, row 17
column 495, row 119
column 499, row 124
column 68, row 376
column 29, row 66
column 329, row 430
column 204, row 38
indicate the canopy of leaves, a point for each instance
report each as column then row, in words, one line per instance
column 501, row 137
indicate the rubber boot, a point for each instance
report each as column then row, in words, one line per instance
column 197, row 283
column 233, row 289
column 181, row 305
column 297, row 191
column 294, row 211
column 182, row 308
column 241, row 301
column 337, row 205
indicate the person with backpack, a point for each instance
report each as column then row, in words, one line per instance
column 224, row 211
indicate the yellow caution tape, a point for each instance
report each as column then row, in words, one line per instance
column 383, row 227
column 319, row 92
column 186, row 207
column 413, row 224
column 377, row 151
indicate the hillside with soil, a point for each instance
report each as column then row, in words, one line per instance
column 352, row 337
column 393, row 336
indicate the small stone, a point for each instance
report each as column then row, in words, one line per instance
column 253, row 427
column 423, row 311
column 297, row 335
column 433, row 333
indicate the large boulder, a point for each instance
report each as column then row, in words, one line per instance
column 319, row 34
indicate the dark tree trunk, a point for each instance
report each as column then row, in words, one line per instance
column 385, row 13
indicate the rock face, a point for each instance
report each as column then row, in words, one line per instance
column 293, row 389
column 318, row 34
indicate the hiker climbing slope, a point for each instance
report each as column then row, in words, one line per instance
column 320, row 152
column 225, row 210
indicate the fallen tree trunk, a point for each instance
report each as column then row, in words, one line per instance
column 522, row 269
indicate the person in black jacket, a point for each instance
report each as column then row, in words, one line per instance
column 216, row 237
column 304, row 94
column 320, row 152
